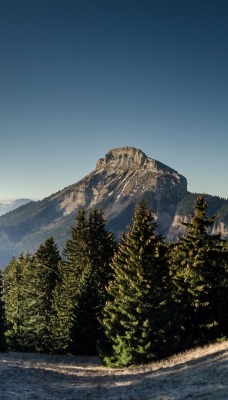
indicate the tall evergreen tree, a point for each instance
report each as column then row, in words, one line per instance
column 200, row 279
column 32, row 302
column 76, row 262
column 12, row 292
column 30, row 307
column 80, row 296
column 45, row 261
column 134, row 315
column 91, row 290
column 2, row 317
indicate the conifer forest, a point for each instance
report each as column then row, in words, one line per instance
column 130, row 301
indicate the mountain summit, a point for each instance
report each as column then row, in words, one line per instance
column 123, row 177
column 128, row 157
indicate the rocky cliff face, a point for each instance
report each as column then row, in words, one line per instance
column 122, row 178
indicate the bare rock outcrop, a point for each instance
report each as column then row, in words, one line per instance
column 123, row 176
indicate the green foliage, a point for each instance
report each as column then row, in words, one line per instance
column 28, row 290
column 85, row 332
column 133, row 302
column 80, row 294
column 76, row 253
column 215, row 205
column 200, row 278
column 92, row 295
column 2, row 317
column 30, row 304
column 39, row 281
column 132, row 317
column 12, row 299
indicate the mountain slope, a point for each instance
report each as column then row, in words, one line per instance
column 122, row 178
column 6, row 206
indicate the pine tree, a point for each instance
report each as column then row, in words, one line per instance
column 12, row 292
column 71, row 269
column 101, row 248
column 199, row 276
column 91, row 295
column 86, row 324
column 46, row 260
column 30, row 306
column 38, row 275
column 80, row 295
column 2, row 318
column 134, row 315
column 222, row 293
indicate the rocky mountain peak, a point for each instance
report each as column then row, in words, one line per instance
column 130, row 158
column 122, row 158
column 123, row 177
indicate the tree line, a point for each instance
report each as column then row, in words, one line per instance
column 129, row 302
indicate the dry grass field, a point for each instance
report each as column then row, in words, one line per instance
column 197, row 374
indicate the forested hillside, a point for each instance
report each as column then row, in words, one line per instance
column 129, row 302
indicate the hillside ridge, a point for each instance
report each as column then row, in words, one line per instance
column 124, row 176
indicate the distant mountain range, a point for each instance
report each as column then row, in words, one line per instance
column 122, row 178
column 9, row 205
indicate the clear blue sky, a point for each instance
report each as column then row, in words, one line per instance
column 80, row 77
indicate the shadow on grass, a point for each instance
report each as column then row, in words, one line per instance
column 204, row 378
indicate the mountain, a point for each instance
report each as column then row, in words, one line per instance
column 9, row 205
column 123, row 177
